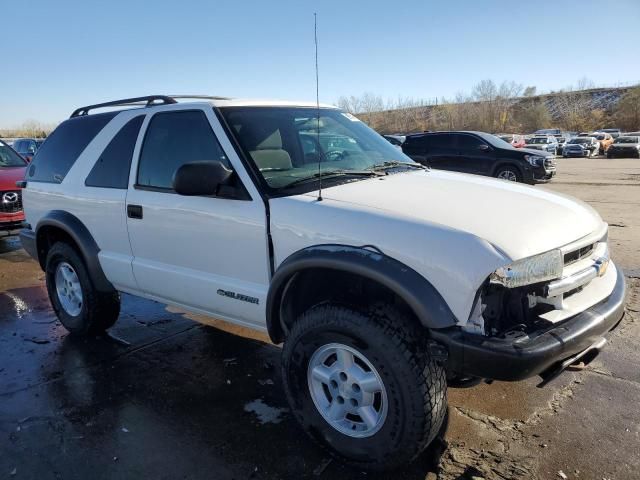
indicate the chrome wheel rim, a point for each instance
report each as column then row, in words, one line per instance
column 508, row 175
column 68, row 289
column 347, row 390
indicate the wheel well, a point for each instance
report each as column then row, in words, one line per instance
column 46, row 237
column 318, row 285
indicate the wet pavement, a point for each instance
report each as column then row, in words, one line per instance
column 165, row 397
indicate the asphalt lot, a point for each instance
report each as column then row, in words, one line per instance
column 165, row 397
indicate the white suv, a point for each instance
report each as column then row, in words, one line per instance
column 391, row 282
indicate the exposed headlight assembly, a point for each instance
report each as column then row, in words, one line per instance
column 539, row 268
column 534, row 160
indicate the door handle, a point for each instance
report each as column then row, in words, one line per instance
column 134, row 211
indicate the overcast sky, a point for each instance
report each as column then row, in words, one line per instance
column 62, row 54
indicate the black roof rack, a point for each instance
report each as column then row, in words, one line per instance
column 200, row 97
column 143, row 101
column 127, row 102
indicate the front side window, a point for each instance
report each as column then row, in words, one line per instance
column 467, row 142
column 173, row 139
column 9, row 158
column 289, row 144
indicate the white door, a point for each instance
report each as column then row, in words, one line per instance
column 206, row 253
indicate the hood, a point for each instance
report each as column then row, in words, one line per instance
column 9, row 176
column 518, row 220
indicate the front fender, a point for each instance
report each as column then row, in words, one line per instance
column 422, row 297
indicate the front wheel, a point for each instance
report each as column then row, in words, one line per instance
column 509, row 173
column 364, row 385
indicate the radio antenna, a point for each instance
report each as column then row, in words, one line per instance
column 315, row 38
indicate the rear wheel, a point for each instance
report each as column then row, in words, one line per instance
column 509, row 173
column 364, row 385
column 78, row 305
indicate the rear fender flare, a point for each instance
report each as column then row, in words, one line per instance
column 78, row 232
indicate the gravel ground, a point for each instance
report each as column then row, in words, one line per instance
column 165, row 397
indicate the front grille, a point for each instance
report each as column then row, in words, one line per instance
column 548, row 162
column 10, row 201
column 574, row 256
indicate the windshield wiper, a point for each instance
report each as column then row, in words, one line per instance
column 333, row 174
column 396, row 163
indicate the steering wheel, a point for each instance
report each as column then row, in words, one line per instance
column 335, row 155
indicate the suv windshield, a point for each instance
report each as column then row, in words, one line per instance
column 537, row 140
column 579, row 140
column 9, row 158
column 627, row 140
column 286, row 143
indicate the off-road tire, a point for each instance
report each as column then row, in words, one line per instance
column 99, row 310
column 414, row 380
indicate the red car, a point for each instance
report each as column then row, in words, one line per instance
column 516, row 141
column 12, row 168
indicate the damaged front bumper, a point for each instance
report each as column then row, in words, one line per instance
column 545, row 353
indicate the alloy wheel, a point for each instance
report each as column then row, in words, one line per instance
column 68, row 289
column 347, row 390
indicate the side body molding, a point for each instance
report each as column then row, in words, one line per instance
column 79, row 233
column 422, row 297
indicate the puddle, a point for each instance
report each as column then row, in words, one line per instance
column 264, row 412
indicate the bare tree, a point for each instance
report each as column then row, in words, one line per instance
column 507, row 107
column 627, row 111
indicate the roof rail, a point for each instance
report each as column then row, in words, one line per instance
column 147, row 101
column 199, row 97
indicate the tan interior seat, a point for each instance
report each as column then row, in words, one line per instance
column 272, row 158
column 269, row 154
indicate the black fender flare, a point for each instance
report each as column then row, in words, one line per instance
column 421, row 296
column 85, row 242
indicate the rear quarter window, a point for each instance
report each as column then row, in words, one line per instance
column 62, row 148
column 111, row 170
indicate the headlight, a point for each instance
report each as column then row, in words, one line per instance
column 539, row 268
column 534, row 159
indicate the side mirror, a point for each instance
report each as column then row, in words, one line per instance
column 201, row 178
column 483, row 147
